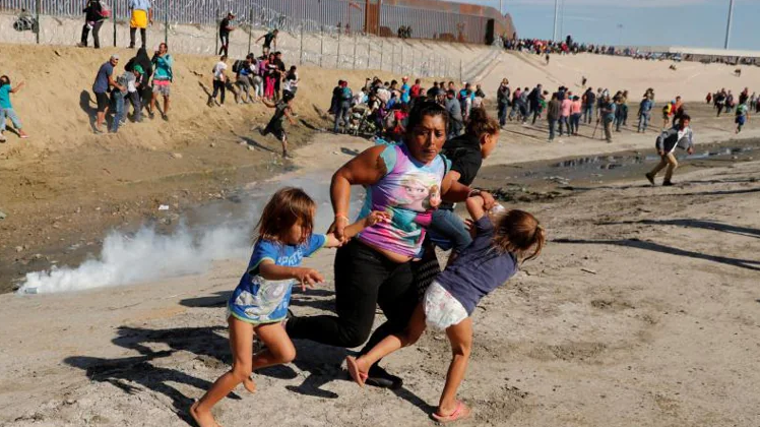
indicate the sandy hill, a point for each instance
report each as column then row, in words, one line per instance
column 690, row 80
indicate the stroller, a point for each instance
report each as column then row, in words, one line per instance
column 359, row 123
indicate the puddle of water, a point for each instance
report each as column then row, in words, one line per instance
column 612, row 167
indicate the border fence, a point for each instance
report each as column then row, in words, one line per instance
column 324, row 33
column 427, row 19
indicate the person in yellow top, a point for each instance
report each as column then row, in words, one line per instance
column 141, row 15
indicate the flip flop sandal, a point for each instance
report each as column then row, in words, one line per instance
column 353, row 369
column 461, row 412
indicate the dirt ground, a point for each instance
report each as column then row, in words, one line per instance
column 641, row 311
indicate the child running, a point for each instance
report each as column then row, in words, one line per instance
column 260, row 302
column 282, row 109
column 742, row 115
column 489, row 261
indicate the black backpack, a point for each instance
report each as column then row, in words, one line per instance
column 237, row 65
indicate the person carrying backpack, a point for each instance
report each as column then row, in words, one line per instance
column 96, row 13
column 344, row 104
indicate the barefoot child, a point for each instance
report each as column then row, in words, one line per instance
column 490, row 260
column 6, row 109
column 260, row 302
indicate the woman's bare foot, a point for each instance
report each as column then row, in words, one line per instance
column 204, row 419
column 249, row 385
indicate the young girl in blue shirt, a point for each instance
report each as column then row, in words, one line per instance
column 259, row 304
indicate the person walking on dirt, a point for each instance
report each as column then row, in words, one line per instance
column 141, row 13
column 225, row 28
column 162, row 79
column 607, row 113
column 589, row 100
column 344, row 105
column 534, row 100
column 95, row 15
column 104, row 81
column 742, row 115
column 220, row 81
column 553, row 114
column 145, row 91
column 270, row 39
column 575, row 115
column 645, row 113
column 6, row 108
column 454, row 108
column 282, row 110
column 720, row 101
column 678, row 136
column 566, row 105
column 502, row 99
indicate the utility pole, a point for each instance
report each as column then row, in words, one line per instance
column 728, row 25
column 556, row 16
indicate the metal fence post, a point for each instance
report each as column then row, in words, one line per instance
column 402, row 59
column 250, row 29
column 216, row 39
column 300, row 61
column 369, row 51
column 461, row 79
column 354, row 50
column 38, row 9
column 321, row 44
column 166, row 22
column 393, row 57
column 382, row 49
column 113, row 18
column 337, row 55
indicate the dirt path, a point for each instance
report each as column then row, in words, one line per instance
column 642, row 311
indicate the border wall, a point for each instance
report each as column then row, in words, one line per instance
column 427, row 19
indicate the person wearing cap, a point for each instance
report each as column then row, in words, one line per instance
column 141, row 13
column 104, row 81
column 134, row 87
column 225, row 28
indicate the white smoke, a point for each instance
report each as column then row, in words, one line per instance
column 144, row 257
column 148, row 255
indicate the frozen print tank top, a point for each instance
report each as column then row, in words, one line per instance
column 409, row 192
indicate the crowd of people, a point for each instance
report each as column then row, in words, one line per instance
column 141, row 84
column 570, row 46
column 382, row 108
column 724, row 101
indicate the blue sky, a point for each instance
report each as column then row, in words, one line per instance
column 699, row 23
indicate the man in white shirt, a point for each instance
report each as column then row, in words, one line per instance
column 679, row 135
column 220, row 80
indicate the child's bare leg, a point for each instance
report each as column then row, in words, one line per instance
column 394, row 342
column 241, row 342
column 284, row 146
column 279, row 350
column 460, row 337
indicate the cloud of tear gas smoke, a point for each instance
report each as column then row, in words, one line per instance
column 148, row 255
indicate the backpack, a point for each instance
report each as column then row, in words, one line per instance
column 237, row 65
column 105, row 10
